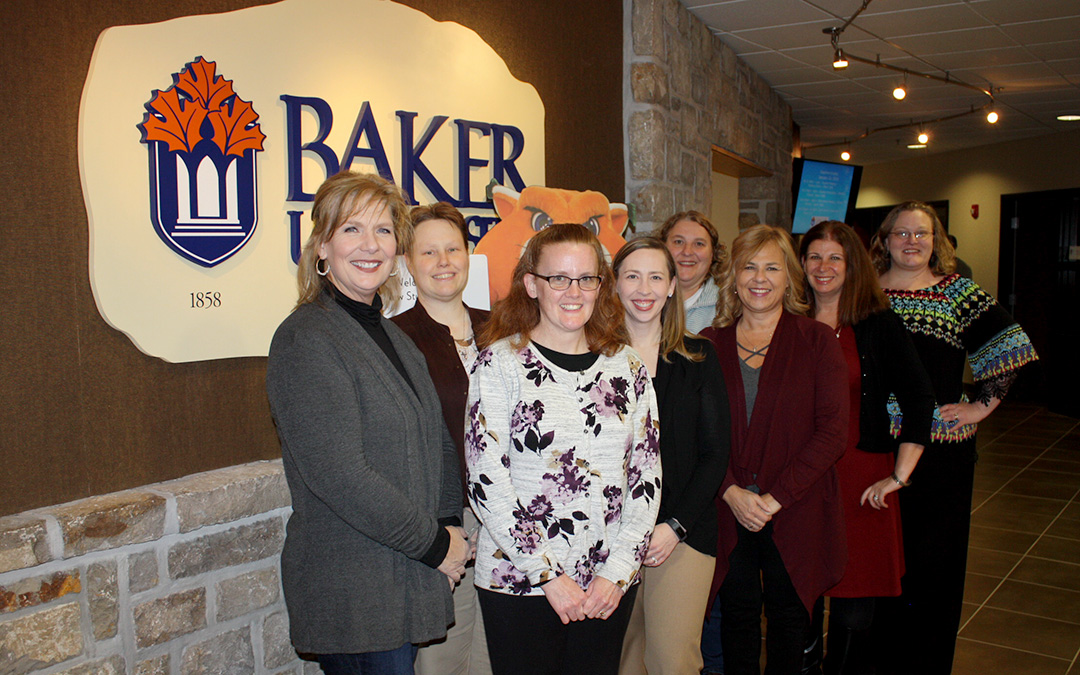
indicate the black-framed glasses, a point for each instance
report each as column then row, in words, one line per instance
column 561, row 282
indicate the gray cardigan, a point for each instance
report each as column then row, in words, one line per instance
column 370, row 468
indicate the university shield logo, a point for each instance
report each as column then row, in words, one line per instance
column 201, row 139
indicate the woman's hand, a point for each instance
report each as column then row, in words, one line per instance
column 663, row 542
column 459, row 553
column 565, row 597
column 963, row 414
column 875, row 494
column 602, row 599
column 750, row 509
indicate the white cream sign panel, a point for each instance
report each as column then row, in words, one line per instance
column 202, row 140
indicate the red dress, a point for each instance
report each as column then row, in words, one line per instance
column 875, row 548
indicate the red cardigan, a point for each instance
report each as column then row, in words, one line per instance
column 798, row 431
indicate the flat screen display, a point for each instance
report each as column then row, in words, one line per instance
column 822, row 191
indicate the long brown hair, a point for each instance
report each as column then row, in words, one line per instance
column 942, row 260
column 745, row 247
column 672, row 316
column 338, row 199
column 719, row 251
column 517, row 314
column 861, row 295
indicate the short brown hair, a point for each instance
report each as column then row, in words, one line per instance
column 861, row 294
column 337, row 200
column 719, row 251
column 672, row 316
column 518, row 314
column 942, row 260
column 437, row 211
column 746, row 246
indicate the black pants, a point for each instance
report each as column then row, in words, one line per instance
column 936, row 516
column 757, row 576
column 525, row 636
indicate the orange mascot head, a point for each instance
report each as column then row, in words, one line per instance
column 523, row 215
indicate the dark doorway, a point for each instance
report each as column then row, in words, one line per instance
column 1038, row 270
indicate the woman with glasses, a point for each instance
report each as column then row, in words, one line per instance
column 563, row 463
column 882, row 365
column 665, row 629
column 952, row 322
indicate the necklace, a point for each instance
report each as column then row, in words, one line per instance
column 466, row 342
column 839, row 327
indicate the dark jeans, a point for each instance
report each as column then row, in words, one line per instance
column 757, row 576
column 712, row 648
column 525, row 636
column 393, row 662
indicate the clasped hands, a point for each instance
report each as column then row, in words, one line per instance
column 752, row 510
column 462, row 550
column 571, row 603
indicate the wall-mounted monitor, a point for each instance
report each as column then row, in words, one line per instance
column 822, row 191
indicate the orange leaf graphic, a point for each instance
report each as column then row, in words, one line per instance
column 200, row 81
column 173, row 121
column 235, row 128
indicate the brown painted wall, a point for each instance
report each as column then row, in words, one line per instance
column 82, row 411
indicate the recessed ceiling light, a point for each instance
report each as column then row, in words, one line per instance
column 1068, row 118
column 917, row 146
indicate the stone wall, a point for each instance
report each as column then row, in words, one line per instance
column 686, row 91
column 176, row 577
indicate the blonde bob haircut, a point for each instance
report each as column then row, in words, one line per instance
column 942, row 260
column 339, row 198
column 728, row 306
column 516, row 315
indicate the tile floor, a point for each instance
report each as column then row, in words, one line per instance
column 1022, row 599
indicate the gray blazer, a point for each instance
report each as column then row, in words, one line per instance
column 370, row 468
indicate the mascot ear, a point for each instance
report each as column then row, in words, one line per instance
column 506, row 200
column 619, row 218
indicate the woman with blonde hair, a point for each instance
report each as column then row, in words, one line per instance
column 563, row 463
column 372, row 470
column 665, row 629
column 952, row 322
column 781, row 532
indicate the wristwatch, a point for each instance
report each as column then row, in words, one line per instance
column 680, row 531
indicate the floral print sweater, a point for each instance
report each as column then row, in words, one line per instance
column 563, row 468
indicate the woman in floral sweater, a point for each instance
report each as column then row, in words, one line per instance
column 563, row 463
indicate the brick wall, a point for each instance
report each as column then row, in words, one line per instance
column 176, row 577
column 686, row 91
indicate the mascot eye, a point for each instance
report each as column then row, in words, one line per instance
column 540, row 221
column 593, row 225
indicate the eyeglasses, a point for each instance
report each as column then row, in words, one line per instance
column 559, row 282
column 904, row 235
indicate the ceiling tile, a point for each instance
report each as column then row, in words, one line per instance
column 736, row 16
column 1014, row 11
column 921, row 21
column 1050, row 30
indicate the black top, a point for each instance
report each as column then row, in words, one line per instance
column 369, row 317
column 695, row 439
column 575, row 363
column 890, row 365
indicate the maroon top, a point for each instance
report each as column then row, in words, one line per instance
column 798, row 430
column 444, row 364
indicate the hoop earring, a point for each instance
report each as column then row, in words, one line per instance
column 395, row 272
column 322, row 272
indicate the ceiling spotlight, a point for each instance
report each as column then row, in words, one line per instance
column 992, row 117
column 838, row 61
column 899, row 93
column 1068, row 118
column 845, row 155
column 924, row 138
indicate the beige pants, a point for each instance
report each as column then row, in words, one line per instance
column 464, row 651
column 664, row 635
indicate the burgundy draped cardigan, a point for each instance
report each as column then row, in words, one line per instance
column 789, row 449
